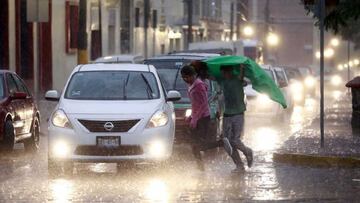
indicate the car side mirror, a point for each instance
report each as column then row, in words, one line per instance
column 18, row 95
column 52, row 95
column 173, row 96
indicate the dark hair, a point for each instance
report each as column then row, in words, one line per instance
column 226, row 68
column 188, row 70
column 201, row 69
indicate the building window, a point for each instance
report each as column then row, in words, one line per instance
column 72, row 26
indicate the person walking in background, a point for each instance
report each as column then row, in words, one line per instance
column 199, row 120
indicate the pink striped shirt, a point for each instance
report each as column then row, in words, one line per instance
column 198, row 94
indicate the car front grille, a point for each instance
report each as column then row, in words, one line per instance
column 123, row 150
column 118, row 126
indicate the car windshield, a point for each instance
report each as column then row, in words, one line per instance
column 112, row 85
column 170, row 76
column 293, row 73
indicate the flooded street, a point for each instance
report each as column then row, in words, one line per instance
column 24, row 177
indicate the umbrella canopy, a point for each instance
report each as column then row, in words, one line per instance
column 260, row 80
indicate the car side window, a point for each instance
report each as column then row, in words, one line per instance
column 21, row 85
column 12, row 88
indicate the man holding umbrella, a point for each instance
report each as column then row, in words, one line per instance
column 229, row 72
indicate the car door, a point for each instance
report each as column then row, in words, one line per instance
column 28, row 103
column 16, row 106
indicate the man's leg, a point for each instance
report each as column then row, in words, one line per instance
column 237, row 127
column 228, row 133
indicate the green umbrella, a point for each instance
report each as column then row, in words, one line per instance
column 260, row 80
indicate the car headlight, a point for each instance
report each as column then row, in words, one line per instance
column 157, row 149
column 59, row 119
column 159, row 119
column 60, row 149
column 296, row 87
column 336, row 80
column 309, row 81
column 188, row 113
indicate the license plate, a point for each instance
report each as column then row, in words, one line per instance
column 108, row 141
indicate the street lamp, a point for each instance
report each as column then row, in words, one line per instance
column 272, row 39
column 248, row 31
column 329, row 52
column 334, row 42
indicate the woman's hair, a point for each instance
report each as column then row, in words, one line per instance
column 188, row 70
column 201, row 69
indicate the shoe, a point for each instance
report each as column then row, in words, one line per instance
column 249, row 158
column 227, row 146
column 200, row 165
column 239, row 169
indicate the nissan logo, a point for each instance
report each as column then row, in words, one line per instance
column 108, row 126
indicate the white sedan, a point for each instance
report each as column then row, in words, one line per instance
column 110, row 113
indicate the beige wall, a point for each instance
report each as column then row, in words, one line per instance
column 63, row 63
column 12, row 43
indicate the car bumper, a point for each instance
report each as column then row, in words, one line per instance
column 150, row 145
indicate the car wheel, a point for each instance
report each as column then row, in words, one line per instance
column 9, row 136
column 32, row 144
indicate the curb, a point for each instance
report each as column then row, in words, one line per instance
column 316, row 160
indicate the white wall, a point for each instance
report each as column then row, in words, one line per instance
column 63, row 63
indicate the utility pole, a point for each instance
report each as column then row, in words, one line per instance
column 100, row 28
column 82, row 35
column 189, row 22
column 322, row 17
column 238, row 6
column 231, row 20
column 266, row 31
column 348, row 63
column 146, row 26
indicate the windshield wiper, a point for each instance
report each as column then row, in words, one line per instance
column 126, row 82
column 150, row 94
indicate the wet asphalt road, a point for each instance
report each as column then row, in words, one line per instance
column 24, row 177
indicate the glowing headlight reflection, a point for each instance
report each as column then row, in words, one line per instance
column 336, row 80
column 310, row 81
column 157, row 191
column 265, row 139
column 61, row 190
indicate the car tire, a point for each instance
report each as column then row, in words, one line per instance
column 32, row 144
column 9, row 136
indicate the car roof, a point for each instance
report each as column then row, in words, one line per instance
column 117, row 58
column 188, row 56
column 6, row 71
column 114, row 67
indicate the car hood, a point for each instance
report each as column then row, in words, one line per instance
column 249, row 91
column 110, row 107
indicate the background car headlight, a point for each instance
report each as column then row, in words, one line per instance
column 188, row 113
column 159, row 119
column 310, row 81
column 336, row 80
column 59, row 119
column 296, row 87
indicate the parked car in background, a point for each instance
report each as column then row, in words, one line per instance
column 111, row 113
column 19, row 116
column 261, row 104
column 137, row 59
column 168, row 68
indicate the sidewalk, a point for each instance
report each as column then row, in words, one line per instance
column 341, row 147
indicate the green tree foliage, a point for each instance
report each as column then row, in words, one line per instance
column 342, row 17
